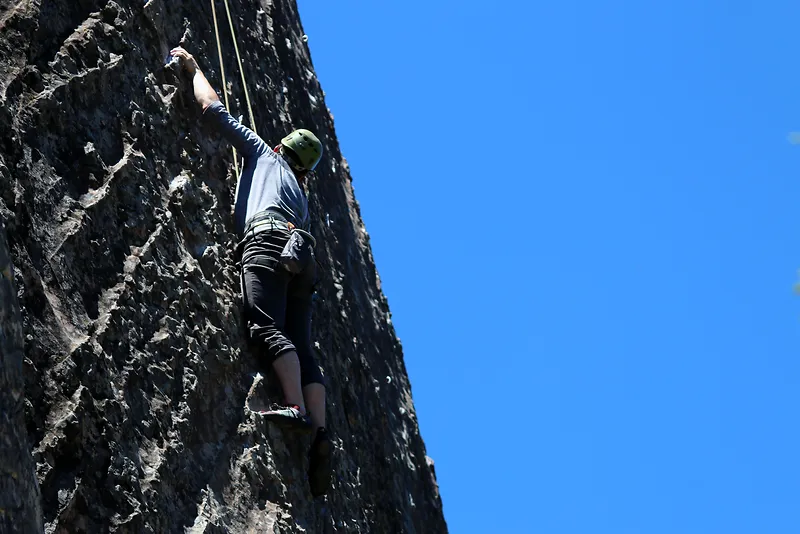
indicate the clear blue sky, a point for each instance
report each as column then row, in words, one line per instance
column 609, row 343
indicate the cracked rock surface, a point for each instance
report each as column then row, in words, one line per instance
column 120, row 314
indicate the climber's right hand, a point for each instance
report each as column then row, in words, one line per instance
column 189, row 63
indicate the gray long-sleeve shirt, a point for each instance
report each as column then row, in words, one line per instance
column 267, row 181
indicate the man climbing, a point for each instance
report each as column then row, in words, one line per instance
column 271, row 209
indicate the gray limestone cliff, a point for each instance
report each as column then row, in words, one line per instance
column 120, row 314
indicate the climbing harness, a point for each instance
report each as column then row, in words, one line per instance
column 241, row 71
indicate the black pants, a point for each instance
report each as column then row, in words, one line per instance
column 277, row 304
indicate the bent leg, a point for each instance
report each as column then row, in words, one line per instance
column 298, row 329
column 264, row 290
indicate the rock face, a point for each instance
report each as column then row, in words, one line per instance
column 20, row 509
column 117, row 208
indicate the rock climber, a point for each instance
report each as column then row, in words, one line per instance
column 271, row 206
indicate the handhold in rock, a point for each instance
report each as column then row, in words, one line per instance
column 170, row 60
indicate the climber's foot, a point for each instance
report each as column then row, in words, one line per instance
column 319, row 463
column 287, row 417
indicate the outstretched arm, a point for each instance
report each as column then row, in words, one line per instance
column 203, row 92
column 241, row 137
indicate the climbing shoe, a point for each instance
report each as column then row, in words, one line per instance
column 287, row 417
column 319, row 463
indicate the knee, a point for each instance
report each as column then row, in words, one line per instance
column 310, row 373
column 270, row 344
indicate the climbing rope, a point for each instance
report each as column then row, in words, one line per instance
column 241, row 71
column 222, row 72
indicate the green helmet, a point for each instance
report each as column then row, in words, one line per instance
column 305, row 150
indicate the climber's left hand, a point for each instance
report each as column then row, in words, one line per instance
column 189, row 63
